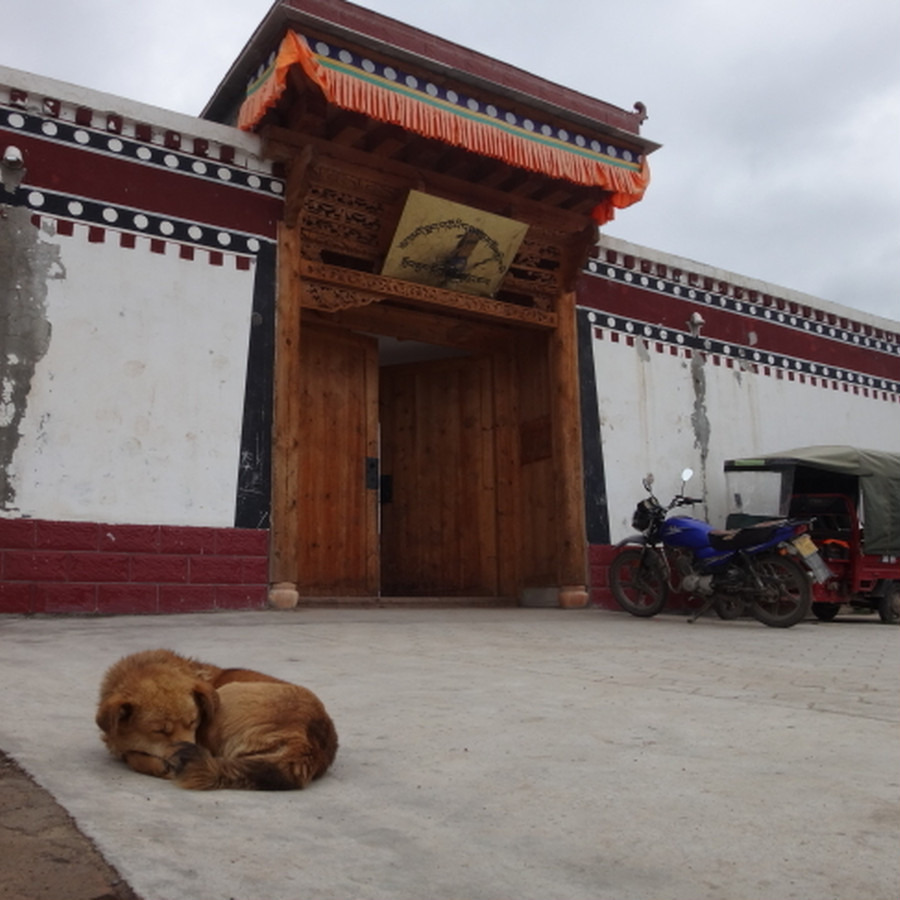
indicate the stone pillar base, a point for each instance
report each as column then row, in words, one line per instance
column 283, row 595
column 573, row 596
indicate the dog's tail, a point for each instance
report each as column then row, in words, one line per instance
column 291, row 767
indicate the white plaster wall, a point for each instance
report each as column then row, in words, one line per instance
column 753, row 413
column 646, row 401
column 134, row 413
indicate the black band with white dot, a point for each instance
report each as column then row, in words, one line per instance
column 740, row 355
column 138, row 151
column 134, row 221
column 758, row 311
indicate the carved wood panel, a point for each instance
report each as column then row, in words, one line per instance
column 344, row 214
column 347, row 219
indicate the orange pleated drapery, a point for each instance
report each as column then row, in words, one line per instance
column 624, row 175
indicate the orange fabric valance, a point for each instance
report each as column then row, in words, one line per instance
column 388, row 94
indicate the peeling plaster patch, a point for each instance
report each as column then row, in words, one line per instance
column 699, row 419
column 7, row 408
column 27, row 264
column 643, row 350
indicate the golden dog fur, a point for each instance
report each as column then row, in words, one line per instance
column 205, row 727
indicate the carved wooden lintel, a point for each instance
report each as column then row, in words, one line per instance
column 327, row 297
column 330, row 288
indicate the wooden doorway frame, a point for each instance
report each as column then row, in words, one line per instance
column 301, row 285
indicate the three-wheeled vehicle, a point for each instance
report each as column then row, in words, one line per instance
column 853, row 497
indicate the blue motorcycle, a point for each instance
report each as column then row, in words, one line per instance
column 764, row 570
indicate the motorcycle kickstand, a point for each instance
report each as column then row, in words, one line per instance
column 707, row 606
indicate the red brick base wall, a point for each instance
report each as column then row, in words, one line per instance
column 599, row 558
column 89, row 567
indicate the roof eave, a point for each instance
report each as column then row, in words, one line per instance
column 281, row 17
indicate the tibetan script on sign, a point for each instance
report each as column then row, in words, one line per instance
column 452, row 246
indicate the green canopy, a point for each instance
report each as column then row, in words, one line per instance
column 879, row 481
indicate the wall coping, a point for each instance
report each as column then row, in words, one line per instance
column 627, row 248
column 39, row 87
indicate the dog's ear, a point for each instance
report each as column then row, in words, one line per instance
column 113, row 712
column 207, row 700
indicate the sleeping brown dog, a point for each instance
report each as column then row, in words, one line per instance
column 205, row 727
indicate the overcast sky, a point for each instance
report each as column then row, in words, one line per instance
column 779, row 119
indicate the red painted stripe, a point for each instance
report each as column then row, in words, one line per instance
column 107, row 179
column 632, row 302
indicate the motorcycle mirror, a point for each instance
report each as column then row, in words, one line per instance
column 648, row 481
column 687, row 475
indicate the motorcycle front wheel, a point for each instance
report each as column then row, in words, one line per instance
column 637, row 578
column 787, row 593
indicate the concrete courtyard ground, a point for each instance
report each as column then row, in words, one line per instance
column 525, row 753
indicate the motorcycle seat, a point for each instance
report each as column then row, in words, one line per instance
column 740, row 538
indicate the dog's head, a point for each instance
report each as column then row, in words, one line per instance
column 144, row 720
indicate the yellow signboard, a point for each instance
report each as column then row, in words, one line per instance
column 452, row 246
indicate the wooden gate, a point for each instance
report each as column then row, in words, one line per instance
column 439, row 515
column 337, row 550
column 483, row 451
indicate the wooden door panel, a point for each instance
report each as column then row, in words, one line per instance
column 337, row 540
column 439, row 530
column 540, row 523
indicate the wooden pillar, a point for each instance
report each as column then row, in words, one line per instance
column 566, row 418
column 285, row 537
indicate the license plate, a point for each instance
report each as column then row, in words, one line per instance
column 805, row 545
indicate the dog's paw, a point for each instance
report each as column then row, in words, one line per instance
column 184, row 754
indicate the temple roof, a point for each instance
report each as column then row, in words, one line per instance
column 402, row 41
column 372, row 66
